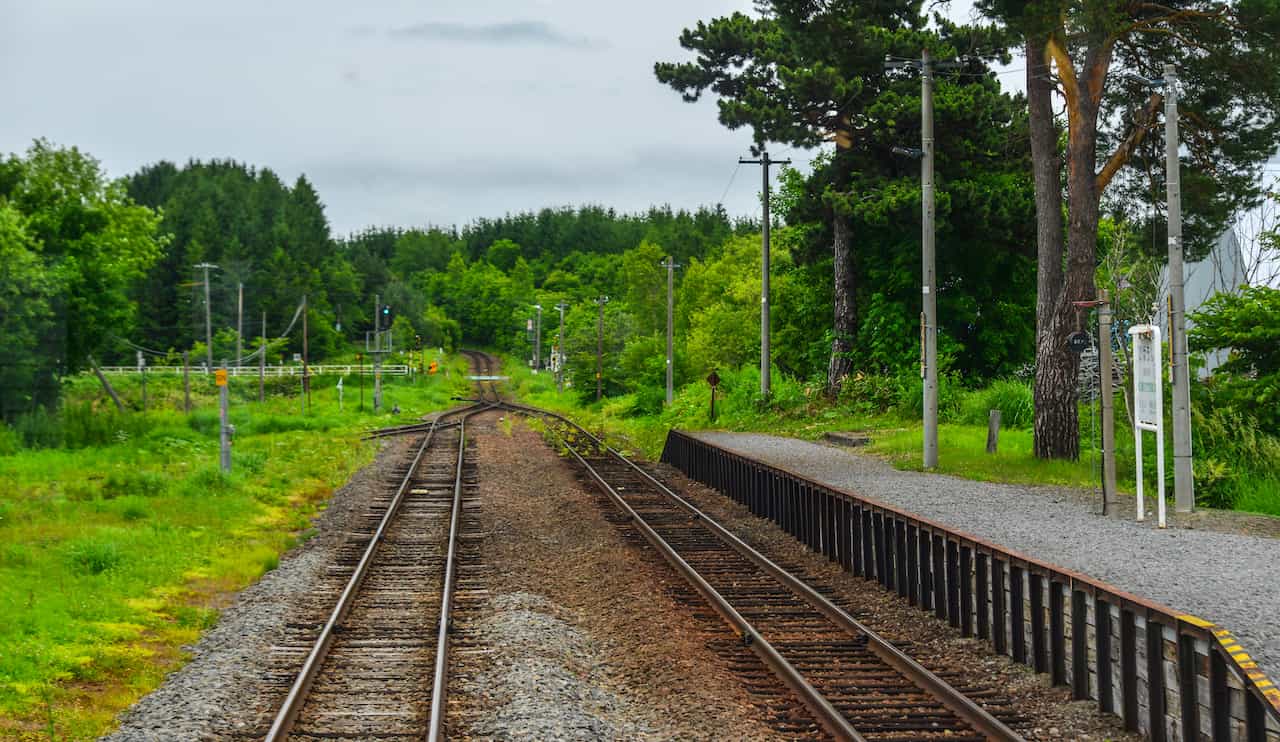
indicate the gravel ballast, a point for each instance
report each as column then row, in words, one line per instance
column 1229, row 579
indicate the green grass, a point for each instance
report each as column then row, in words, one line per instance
column 799, row 410
column 113, row 556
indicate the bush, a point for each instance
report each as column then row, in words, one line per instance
column 1230, row 452
column 92, row 556
column 909, row 403
column 1013, row 398
column 869, row 394
column 140, row 483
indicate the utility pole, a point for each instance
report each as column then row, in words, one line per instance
column 929, row 286
column 262, row 362
column 764, row 162
column 239, row 326
column 537, row 341
column 560, row 343
column 928, row 267
column 600, row 302
column 377, row 352
column 208, row 322
column 1184, row 498
column 306, row 381
column 671, row 265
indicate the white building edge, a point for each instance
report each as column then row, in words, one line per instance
column 1223, row 269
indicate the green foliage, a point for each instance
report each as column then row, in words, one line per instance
column 71, row 244
column 1247, row 323
column 1012, row 397
column 1233, row 459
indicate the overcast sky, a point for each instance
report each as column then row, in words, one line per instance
column 404, row 113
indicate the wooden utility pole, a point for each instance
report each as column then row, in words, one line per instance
column 1108, row 401
column 764, row 162
column 239, row 327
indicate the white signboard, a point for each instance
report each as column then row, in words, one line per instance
column 1148, row 397
column 1146, row 376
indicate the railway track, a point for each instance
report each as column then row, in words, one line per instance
column 365, row 673
column 378, row 665
column 856, row 685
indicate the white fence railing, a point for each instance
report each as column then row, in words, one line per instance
column 388, row 369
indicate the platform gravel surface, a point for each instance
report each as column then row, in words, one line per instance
column 1230, row 579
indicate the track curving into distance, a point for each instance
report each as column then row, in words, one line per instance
column 857, row 685
column 364, row 675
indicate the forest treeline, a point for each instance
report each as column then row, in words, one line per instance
column 480, row 283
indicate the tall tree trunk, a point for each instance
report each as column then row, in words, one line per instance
column 1054, row 383
column 845, row 318
column 1057, row 428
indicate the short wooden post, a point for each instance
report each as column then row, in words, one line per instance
column 993, row 431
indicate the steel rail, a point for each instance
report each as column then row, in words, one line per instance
column 826, row 713
column 961, row 705
column 288, row 713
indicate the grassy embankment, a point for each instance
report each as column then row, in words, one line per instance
column 1251, row 462
column 114, row 555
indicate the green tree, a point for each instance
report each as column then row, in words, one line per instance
column 803, row 73
column 1228, row 60
column 77, row 242
column 1247, row 324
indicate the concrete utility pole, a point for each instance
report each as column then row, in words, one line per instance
column 1184, row 498
column 560, row 344
column 671, row 265
column 600, row 302
column 764, row 162
column 929, row 286
column 262, row 363
column 306, row 380
column 208, row 322
column 537, row 341
column 239, row 326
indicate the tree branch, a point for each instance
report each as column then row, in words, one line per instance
column 1130, row 143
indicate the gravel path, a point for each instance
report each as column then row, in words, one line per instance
column 1230, row 579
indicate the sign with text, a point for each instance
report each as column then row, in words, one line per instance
column 1148, row 403
column 1146, row 376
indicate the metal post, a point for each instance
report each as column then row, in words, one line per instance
column 1108, row 399
column 1183, row 485
column 560, row 344
column 671, row 266
column 224, row 436
column 764, row 161
column 928, row 287
column 186, row 381
column 262, row 363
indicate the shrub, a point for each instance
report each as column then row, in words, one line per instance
column 1013, row 398
column 133, row 508
column 869, row 394
column 141, row 483
column 909, row 401
column 92, row 556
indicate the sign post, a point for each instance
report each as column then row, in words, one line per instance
column 1148, row 402
column 714, row 380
